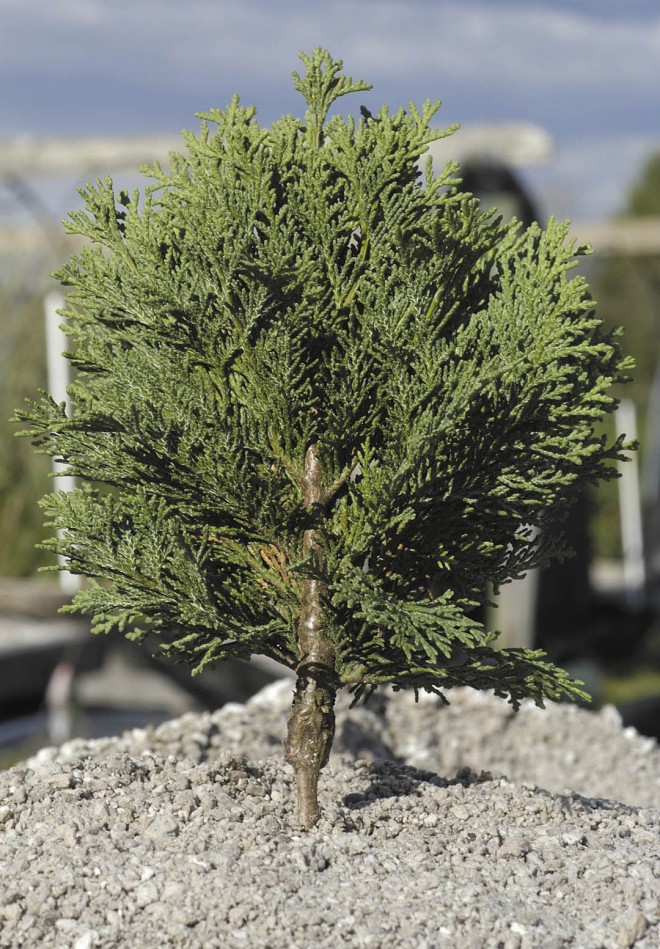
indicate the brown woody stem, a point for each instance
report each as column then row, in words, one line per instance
column 311, row 724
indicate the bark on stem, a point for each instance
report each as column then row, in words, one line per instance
column 311, row 723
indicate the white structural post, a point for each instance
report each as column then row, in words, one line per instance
column 58, row 380
column 630, row 510
column 515, row 612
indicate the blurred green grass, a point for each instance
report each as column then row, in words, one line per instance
column 24, row 475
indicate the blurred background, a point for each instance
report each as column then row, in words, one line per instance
column 559, row 106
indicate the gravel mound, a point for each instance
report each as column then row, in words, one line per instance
column 182, row 836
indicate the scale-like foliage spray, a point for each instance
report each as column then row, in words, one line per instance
column 322, row 402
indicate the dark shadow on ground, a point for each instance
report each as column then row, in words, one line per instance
column 392, row 779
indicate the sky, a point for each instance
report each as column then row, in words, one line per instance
column 587, row 71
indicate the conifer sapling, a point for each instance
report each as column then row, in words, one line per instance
column 321, row 402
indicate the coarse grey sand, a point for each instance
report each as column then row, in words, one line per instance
column 459, row 826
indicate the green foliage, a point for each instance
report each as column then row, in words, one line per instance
column 627, row 290
column 303, row 285
column 24, row 476
column 644, row 198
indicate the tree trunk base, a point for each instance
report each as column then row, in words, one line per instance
column 311, row 729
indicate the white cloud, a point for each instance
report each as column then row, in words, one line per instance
column 515, row 42
column 471, row 41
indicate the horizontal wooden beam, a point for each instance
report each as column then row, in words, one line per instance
column 507, row 143
column 516, row 143
column 30, row 241
column 26, row 157
column 625, row 237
